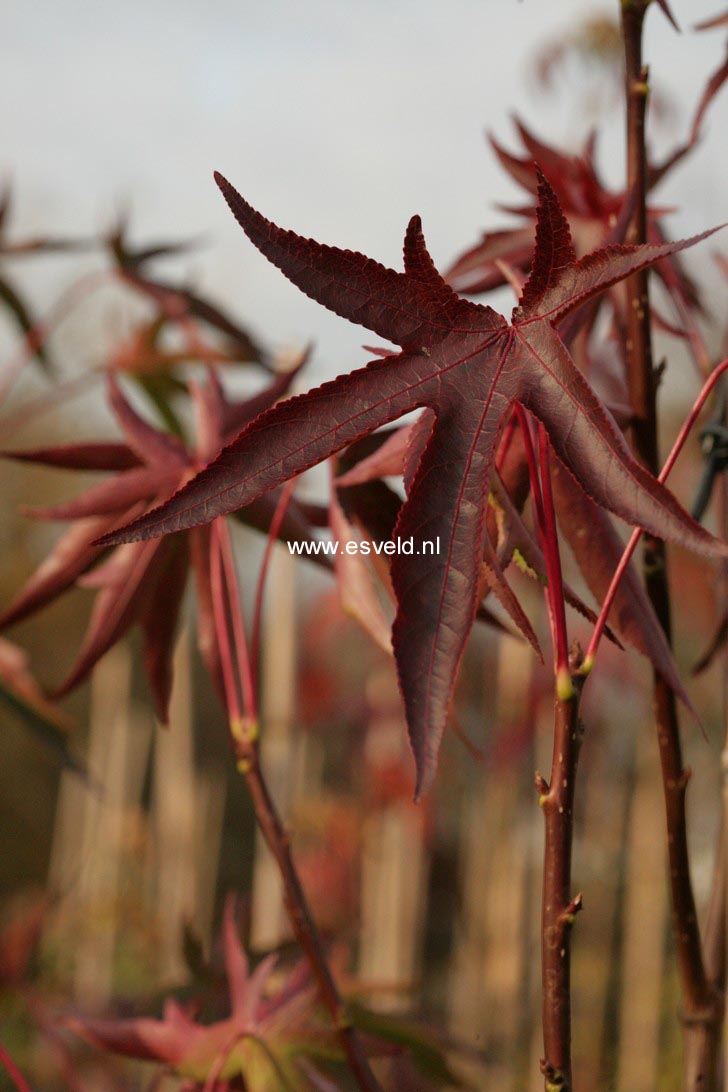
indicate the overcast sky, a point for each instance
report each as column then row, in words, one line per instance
column 339, row 118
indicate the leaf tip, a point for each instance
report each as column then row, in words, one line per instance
column 425, row 776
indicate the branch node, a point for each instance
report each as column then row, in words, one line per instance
column 576, row 657
column 556, row 1081
column 244, row 730
column 708, row 1014
column 542, row 788
column 564, row 685
column 568, row 916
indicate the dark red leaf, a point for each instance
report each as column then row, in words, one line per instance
column 79, row 456
column 159, row 617
column 468, row 365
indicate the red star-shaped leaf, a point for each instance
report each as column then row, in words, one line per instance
column 143, row 583
column 469, row 365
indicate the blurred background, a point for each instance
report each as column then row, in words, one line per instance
column 340, row 120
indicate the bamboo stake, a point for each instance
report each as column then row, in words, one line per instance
column 102, row 815
column 269, row 921
column 487, row 962
column 645, row 918
column 394, row 885
column 174, row 821
column 605, row 828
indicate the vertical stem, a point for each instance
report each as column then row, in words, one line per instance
column 700, row 1011
column 559, row 908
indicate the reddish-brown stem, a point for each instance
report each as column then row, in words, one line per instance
column 701, row 1012
column 244, row 732
column 559, row 907
column 299, row 914
column 12, row 1071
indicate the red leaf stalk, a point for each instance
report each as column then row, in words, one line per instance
column 540, row 476
column 553, row 570
column 12, row 1071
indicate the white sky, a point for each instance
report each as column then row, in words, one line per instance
column 339, row 118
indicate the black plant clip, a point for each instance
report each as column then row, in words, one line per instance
column 714, row 442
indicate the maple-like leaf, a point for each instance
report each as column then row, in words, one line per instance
column 469, row 365
column 269, row 1031
column 11, row 298
column 133, row 268
column 143, row 584
column 593, row 210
